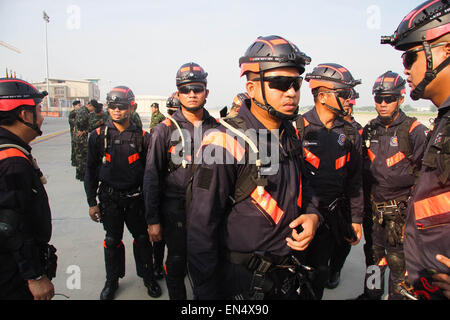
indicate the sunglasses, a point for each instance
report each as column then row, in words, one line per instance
column 283, row 83
column 387, row 99
column 188, row 88
column 117, row 105
column 410, row 56
column 342, row 93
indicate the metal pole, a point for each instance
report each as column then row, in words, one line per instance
column 46, row 20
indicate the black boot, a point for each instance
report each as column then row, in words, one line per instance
column 334, row 280
column 109, row 291
column 158, row 272
column 153, row 288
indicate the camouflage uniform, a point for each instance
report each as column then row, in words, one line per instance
column 80, row 138
column 96, row 120
column 72, row 118
column 156, row 118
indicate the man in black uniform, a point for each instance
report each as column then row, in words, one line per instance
column 341, row 252
column 332, row 153
column 249, row 212
column 116, row 158
column 166, row 177
column 27, row 261
column 393, row 148
column 424, row 36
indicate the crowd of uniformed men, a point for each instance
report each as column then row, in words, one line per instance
column 275, row 214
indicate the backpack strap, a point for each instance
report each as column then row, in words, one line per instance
column 404, row 143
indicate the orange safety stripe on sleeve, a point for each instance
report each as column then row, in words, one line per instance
column 383, row 262
column 268, row 204
column 133, row 158
column 396, row 158
column 12, row 152
column 300, row 195
column 414, row 125
column 225, row 141
column 432, row 206
column 172, row 150
column 108, row 157
column 143, row 133
column 371, row 155
column 340, row 162
column 98, row 131
column 360, row 131
column 312, row 158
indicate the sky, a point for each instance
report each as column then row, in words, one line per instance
column 141, row 44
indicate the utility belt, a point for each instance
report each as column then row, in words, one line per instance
column 263, row 265
column 392, row 216
column 388, row 210
column 120, row 194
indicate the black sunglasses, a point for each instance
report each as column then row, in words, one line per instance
column 118, row 105
column 283, row 83
column 387, row 99
column 193, row 87
column 342, row 93
column 410, row 56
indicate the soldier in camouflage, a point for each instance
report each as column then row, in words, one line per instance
column 72, row 117
column 80, row 138
column 98, row 117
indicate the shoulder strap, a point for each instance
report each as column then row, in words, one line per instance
column 404, row 143
column 350, row 132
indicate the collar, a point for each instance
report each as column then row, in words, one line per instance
column 313, row 117
column 401, row 117
column 444, row 108
column 14, row 139
column 179, row 116
column 249, row 117
column 111, row 125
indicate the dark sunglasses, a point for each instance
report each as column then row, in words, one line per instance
column 117, row 105
column 283, row 83
column 387, row 99
column 342, row 93
column 188, row 88
column 410, row 56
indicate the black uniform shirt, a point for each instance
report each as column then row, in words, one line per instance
column 22, row 192
column 124, row 166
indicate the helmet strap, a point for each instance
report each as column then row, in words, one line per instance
column 430, row 74
column 266, row 106
column 33, row 125
column 341, row 111
column 193, row 109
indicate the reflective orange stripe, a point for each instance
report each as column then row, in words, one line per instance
column 360, row 131
column 108, row 157
column 268, row 204
column 278, row 41
column 342, row 160
column 299, row 199
column 225, row 141
column 371, row 155
column 133, row 158
column 432, row 206
column 414, row 125
column 306, row 122
column 396, row 158
column 12, row 152
column 98, row 130
column 382, row 263
column 172, row 150
column 312, row 158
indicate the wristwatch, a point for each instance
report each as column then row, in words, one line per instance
column 38, row 278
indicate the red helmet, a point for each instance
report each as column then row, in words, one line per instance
column 15, row 93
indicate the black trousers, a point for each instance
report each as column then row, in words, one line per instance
column 117, row 211
column 174, row 234
column 12, row 284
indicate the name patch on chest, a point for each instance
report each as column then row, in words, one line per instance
column 394, row 141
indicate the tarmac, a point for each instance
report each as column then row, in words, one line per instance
column 79, row 240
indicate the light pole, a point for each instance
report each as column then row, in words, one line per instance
column 46, row 21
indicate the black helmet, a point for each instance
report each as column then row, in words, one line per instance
column 428, row 21
column 272, row 52
column 173, row 104
column 155, row 105
column 190, row 72
column 332, row 76
column 15, row 93
column 120, row 95
column 389, row 83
